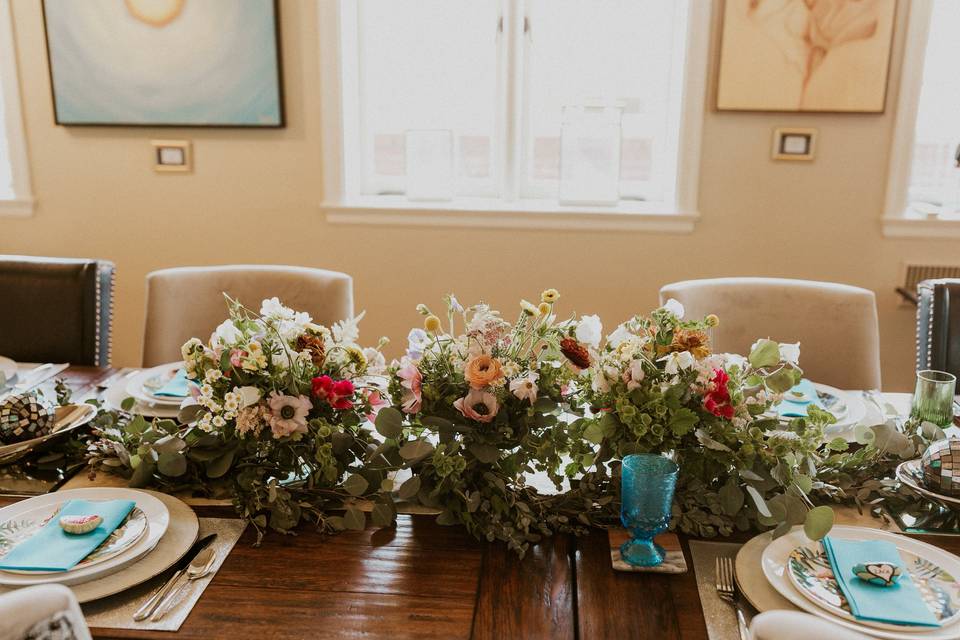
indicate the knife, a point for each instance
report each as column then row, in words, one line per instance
column 179, row 568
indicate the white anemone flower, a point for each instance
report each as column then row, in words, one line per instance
column 590, row 330
column 678, row 361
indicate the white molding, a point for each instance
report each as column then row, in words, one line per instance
column 928, row 228
column 901, row 148
column 534, row 214
column 692, row 110
column 22, row 202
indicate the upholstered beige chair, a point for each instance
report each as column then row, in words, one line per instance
column 836, row 324
column 188, row 302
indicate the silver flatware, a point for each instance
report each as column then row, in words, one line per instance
column 727, row 590
column 179, row 568
column 200, row 567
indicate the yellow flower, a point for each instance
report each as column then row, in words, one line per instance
column 529, row 309
column 712, row 320
column 432, row 324
column 544, row 308
column 550, row 296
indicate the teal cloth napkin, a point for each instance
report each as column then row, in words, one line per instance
column 795, row 406
column 898, row 604
column 175, row 387
column 53, row 549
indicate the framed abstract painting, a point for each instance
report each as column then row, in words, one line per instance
column 805, row 55
column 183, row 63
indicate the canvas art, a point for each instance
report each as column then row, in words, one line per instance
column 805, row 55
column 164, row 62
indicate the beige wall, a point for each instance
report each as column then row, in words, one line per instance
column 254, row 198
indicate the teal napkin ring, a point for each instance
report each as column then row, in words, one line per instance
column 884, row 574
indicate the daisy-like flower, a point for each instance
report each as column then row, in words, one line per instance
column 525, row 388
column 213, row 375
column 288, row 414
column 529, row 308
column 231, row 402
column 206, row 391
column 218, row 421
column 205, row 423
column 550, row 296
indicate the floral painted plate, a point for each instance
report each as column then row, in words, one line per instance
column 811, row 574
column 23, row 526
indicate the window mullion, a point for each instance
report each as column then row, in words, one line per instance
column 512, row 46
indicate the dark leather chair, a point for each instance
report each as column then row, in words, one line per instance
column 56, row 309
column 938, row 325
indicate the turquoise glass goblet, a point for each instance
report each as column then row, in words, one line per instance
column 647, row 482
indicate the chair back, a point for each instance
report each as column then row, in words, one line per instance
column 43, row 611
column 188, row 302
column 56, row 309
column 835, row 324
column 938, row 325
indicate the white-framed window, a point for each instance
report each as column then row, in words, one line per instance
column 15, row 196
column 923, row 191
column 513, row 112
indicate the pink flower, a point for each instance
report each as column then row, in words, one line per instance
column 412, row 382
column 377, row 402
column 236, row 358
column 478, row 405
column 288, row 414
column 337, row 393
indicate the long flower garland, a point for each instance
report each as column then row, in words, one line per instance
column 512, row 430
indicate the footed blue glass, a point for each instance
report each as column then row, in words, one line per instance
column 647, row 482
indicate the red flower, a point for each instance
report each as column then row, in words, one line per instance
column 717, row 401
column 337, row 393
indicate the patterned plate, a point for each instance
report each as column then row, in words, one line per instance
column 16, row 530
column 811, row 574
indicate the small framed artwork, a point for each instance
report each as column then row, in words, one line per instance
column 165, row 63
column 794, row 144
column 804, row 57
column 172, row 156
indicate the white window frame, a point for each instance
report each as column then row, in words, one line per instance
column 21, row 204
column 898, row 221
column 502, row 213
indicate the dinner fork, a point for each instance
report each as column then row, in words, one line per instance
column 727, row 590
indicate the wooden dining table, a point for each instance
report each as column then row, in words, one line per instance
column 423, row 580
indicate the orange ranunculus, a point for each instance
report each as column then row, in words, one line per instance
column 482, row 371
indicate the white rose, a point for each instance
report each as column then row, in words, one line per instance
column 226, row 334
column 674, row 307
column 590, row 330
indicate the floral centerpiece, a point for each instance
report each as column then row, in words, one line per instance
column 478, row 410
column 276, row 418
column 657, row 387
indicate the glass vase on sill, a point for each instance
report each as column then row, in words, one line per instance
column 430, row 172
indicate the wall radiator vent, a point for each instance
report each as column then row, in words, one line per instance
column 914, row 273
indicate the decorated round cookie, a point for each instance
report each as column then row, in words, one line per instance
column 80, row 524
column 25, row 416
column 941, row 467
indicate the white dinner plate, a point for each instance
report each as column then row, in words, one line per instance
column 853, row 411
column 158, row 519
column 142, row 385
column 8, row 368
column 910, row 474
column 774, row 559
column 114, row 396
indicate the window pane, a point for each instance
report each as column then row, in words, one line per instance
column 425, row 65
column 626, row 53
column 935, row 178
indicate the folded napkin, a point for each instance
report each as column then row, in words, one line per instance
column 897, row 604
column 175, row 387
column 793, row 625
column 798, row 399
column 53, row 549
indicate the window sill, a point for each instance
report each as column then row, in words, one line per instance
column 487, row 214
column 917, row 227
column 16, row 207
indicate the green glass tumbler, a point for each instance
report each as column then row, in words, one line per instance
column 933, row 397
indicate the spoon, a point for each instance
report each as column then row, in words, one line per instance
column 199, row 567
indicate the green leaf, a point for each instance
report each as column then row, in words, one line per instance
column 818, row 523
column 137, row 425
column 544, row 405
column 169, row 444
column 447, row 518
column 781, row 380
column 337, row 522
column 765, row 353
column 415, row 449
column 382, row 515
column 838, row 444
column 218, row 467
column 731, row 498
column 804, row 482
column 758, row 500
column 142, row 475
column 355, row 484
column 190, row 413
column 485, row 453
column 167, row 426
column 436, row 422
column 593, row 433
column 389, row 422
column 410, row 488
column 386, row 485
column 354, row 519
column 127, row 403
column 172, row 464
